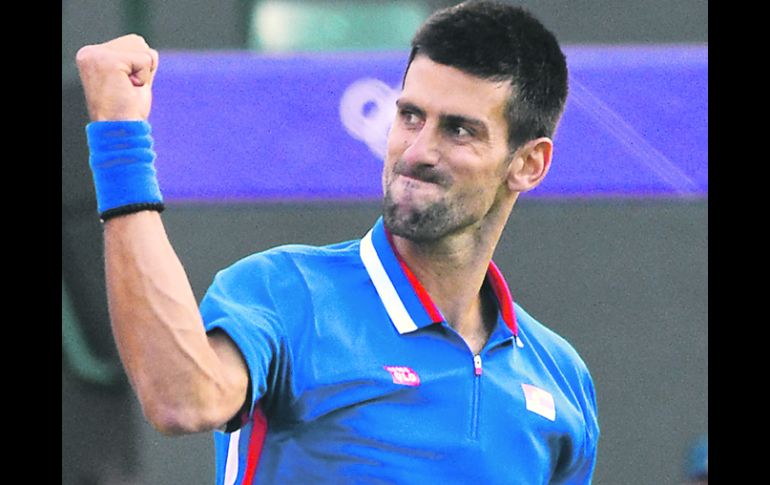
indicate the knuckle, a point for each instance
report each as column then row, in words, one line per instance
column 85, row 55
column 136, row 38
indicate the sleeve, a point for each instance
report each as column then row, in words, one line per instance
column 586, row 463
column 241, row 302
column 592, row 426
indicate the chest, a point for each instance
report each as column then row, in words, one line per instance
column 425, row 394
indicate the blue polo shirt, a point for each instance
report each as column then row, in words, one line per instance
column 355, row 377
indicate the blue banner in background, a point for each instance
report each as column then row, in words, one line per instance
column 240, row 126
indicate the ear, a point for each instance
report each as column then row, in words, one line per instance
column 530, row 164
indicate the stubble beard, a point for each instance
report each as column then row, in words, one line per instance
column 422, row 224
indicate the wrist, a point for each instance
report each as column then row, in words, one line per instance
column 123, row 168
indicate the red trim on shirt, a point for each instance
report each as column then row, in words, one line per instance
column 503, row 294
column 422, row 293
column 257, row 439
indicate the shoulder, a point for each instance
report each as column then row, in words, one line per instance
column 547, row 341
column 283, row 272
column 284, row 260
column 565, row 365
column 275, row 285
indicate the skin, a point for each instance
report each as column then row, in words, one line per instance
column 188, row 381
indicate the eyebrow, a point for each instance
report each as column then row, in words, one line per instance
column 445, row 118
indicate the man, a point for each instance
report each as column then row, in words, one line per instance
column 397, row 358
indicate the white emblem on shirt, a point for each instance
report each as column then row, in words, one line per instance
column 539, row 401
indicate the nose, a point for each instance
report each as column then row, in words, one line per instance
column 422, row 147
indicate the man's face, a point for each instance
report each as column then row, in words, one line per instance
column 448, row 153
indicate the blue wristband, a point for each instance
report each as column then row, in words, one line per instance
column 122, row 165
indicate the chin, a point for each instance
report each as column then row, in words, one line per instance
column 420, row 225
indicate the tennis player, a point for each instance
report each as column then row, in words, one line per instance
column 399, row 357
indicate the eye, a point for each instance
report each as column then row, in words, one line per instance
column 409, row 117
column 459, row 132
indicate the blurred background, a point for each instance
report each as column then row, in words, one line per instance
column 269, row 118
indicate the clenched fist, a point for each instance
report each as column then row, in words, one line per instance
column 117, row 78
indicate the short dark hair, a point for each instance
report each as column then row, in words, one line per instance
column 499, row 42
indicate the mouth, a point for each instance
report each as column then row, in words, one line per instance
column 422, row 177
column 412, row 180
column 419, row 174
column 411, row 186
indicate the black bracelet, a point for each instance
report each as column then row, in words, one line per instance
column 130, row 209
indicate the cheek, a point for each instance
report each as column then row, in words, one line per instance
column 482, row 186
column 395, row 148
column 392, row 156
column 397, row 143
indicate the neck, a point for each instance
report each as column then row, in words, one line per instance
column 452, row 270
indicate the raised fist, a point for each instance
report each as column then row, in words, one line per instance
column 117, row 78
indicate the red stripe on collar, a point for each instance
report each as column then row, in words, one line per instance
column 422, row 293
column 503, row 294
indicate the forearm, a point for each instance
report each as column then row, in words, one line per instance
column 182, row 382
